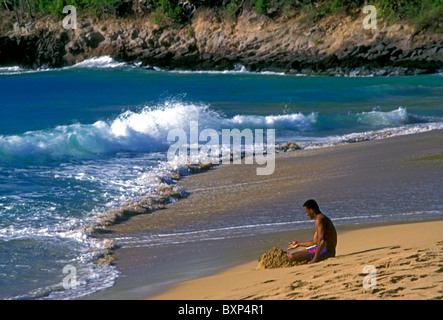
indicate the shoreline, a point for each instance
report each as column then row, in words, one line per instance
column 384, row 247
column 234, row 192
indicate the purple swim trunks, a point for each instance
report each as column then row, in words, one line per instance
column 324, row 254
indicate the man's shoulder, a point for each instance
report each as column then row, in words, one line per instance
column 322, row 218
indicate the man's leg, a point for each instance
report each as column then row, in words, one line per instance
column 299, row 256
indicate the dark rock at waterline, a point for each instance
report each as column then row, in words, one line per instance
column 46, row 49
column 18, row 50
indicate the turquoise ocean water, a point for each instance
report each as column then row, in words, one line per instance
column 77, row 141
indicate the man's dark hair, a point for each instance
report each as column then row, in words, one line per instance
column 312, row 204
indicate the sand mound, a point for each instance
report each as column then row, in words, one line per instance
column 275, row 258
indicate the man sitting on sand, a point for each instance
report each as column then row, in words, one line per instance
column 325, row 238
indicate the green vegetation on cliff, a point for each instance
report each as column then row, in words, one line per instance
column 423, row 14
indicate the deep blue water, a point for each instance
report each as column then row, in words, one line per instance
column 77, row 141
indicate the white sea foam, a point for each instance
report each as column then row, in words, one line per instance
column 296, row 121
column 101, row 62
column 238, row 69
column 370, row 135
column 8, row 71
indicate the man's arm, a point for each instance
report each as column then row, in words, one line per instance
column 295, row 244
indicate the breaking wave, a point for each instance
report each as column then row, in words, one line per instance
column 146, row 130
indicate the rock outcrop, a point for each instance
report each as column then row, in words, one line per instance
column 335, row 45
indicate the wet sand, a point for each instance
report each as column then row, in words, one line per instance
column 374, row 176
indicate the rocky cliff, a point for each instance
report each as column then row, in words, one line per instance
column 334, row 45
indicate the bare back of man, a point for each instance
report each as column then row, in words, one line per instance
column 325, row 239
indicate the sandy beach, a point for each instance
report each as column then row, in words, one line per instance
column 377, row 177
column 407, row 263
